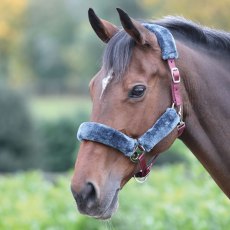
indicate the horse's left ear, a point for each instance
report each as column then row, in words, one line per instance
column 104, row 29
column 137, row 31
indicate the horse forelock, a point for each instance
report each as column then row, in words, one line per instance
column 117, row 54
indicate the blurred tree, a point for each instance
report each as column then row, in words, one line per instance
column 60, row 45
column 49, row 33
column 208, row 12
column 51, row 42
column 11, row 23
column 59, row 143
column 17, row 140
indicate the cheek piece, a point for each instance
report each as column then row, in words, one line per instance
column 166, row 123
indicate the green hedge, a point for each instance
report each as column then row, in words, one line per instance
column 177, row 153
column 27, row 143
column 17, row 133
column 59, row 143
column 173, row 198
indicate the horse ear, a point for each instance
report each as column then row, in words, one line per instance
column 133, row 28
column 104, row 29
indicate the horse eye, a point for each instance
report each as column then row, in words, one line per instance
column 137, row 91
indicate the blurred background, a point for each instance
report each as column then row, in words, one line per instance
column 48, row 54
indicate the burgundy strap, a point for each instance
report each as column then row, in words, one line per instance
column 144, row 168
column 176, row 92
column 176, row 95
column 177, row 102
column 180, row 128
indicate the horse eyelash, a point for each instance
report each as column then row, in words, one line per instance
column 147, row 45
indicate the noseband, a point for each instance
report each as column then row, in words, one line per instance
column 135, row 149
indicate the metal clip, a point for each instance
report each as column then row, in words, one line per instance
column 137, row 152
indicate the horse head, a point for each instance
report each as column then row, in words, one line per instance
column 129, row 94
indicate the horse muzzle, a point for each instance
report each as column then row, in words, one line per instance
column 92, row 202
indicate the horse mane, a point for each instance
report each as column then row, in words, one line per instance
column 183, row 29
column 118, row 52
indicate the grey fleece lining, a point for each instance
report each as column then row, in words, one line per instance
column 106, row 135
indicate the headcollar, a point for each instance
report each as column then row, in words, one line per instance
column 168, row 121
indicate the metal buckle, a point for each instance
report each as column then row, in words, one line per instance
column 175, row 75
column 137, row 152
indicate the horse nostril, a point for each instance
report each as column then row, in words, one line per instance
column 89, row 193
column 87, row 197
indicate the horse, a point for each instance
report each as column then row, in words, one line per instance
column 131, row 93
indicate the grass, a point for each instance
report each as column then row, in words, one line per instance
column 55, row 107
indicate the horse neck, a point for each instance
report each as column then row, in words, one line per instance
column 206, row 94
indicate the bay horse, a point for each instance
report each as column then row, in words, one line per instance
column 131, row 93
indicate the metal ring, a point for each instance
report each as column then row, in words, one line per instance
column 140, row 180
column 134, row 157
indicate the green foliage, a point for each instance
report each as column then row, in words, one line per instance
column 50, row 143
column 51, row 108
column 59, row 143
column 174, row 197
column 11, row 30
column 177, row 153
column 17, row 143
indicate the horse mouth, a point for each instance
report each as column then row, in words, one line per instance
column 102, row 210
column 110, row 209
